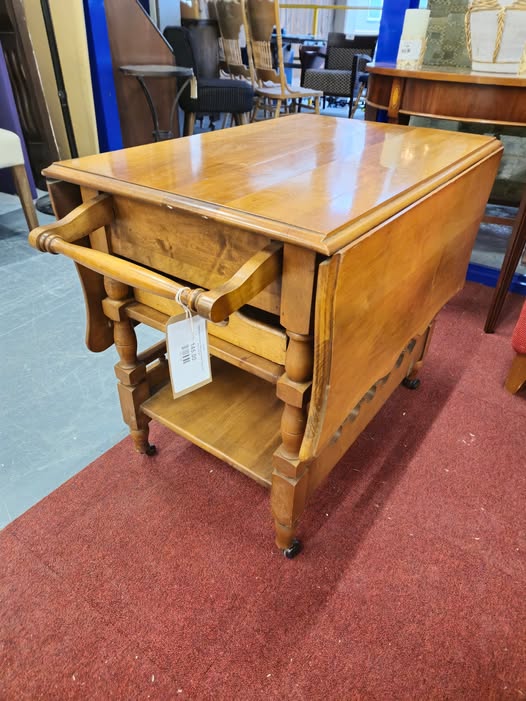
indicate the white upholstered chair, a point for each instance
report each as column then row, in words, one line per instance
column 12, row 156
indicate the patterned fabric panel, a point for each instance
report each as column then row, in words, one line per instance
column 518, row 340
column 341, row 58
column 215, row 95
column 330, row 82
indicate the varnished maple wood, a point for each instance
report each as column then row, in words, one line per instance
column 235, row 354
column 376, row 223
column 364, row 411
column 235, row 417
column 254, row 336
column 296, row 183
column 517, row 375
column 215, row 305
column 430, row 278
column 457, row 94
column 64, row 198
column 177, row 243
column 82, row 220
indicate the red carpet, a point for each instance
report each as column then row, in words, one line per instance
column 157, row 578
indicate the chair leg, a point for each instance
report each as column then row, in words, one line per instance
column 317, row 105
column 255, row 109
column 241, row 118
column 357, row 101
column 517, row 374
column 24, row 192
column 278, row 109
column 189, row 123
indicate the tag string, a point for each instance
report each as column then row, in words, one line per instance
column 187, row 311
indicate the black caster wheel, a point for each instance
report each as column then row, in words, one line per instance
column 411, row 384
column 293, row 550
column 151, row 450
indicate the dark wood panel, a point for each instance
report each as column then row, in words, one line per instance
column 134, row 39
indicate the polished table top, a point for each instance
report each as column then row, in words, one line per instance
column 316, row 180
column 448, row 74
column 452, row 93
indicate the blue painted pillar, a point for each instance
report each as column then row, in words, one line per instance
column 391, row 28
column 106, row 111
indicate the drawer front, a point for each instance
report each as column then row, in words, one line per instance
column 195, row 250
column 249, row 334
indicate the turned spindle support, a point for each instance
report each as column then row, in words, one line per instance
column 130, row 372
column 289, row 479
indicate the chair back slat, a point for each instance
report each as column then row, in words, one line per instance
column 231, row 19
column 263, row 20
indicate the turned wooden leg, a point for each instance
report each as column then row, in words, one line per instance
column 412, row 381
column 132, row 384
column 255, row 109
column 189, row 123
column 290, row 475
column 23, row 189
column 517, row 374
column 241, row 118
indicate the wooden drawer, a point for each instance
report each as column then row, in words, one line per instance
column 190, row 248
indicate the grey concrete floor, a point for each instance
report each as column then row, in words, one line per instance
column 59, row 408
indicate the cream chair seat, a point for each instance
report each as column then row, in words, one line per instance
column 12, row 156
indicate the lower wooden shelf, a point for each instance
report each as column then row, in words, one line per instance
column 236, row 417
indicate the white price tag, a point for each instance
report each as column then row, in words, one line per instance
column 188, row 356
column 409, row 50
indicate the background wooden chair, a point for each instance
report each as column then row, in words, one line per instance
column 231, row 20
column 12, row 156
column 272, row 90
column 338, row 77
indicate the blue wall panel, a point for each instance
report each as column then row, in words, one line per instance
column 391, row 28
column 107, row 114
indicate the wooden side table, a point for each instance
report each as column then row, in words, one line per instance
column 327, row 253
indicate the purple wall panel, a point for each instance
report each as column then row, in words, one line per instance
column 9, row 120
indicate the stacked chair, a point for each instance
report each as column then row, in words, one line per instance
column 230, row 15
column 344, row 62
column 215, row 95
column 261, row 24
